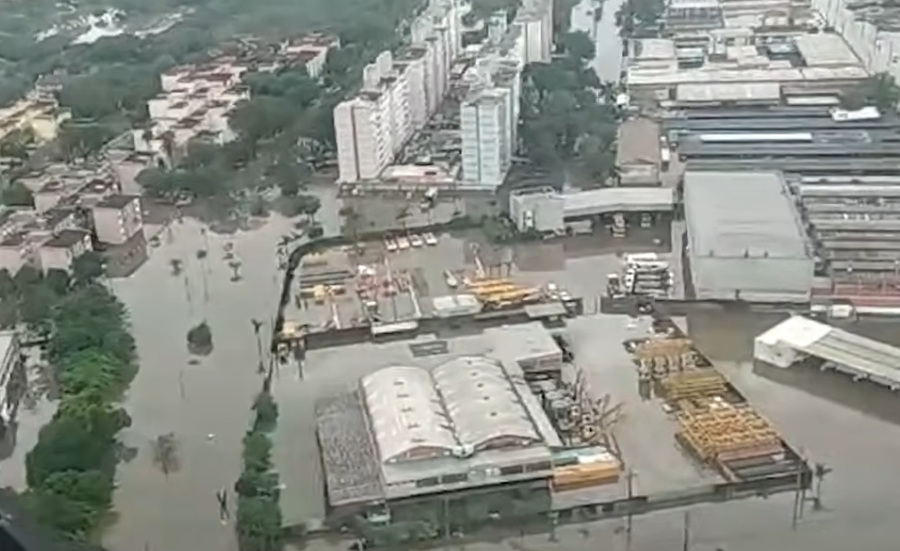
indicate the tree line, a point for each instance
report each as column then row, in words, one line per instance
column 71, row 470
column 568, row 115
column 259, row 518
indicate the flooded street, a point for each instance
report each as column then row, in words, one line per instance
column 608, row 60
column 207, row 405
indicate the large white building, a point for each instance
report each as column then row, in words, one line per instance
column 400, row 93
column 484, row 122
column 535, row 22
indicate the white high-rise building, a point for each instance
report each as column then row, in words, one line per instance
column 484, row 125
column 363, row 138
column 398, row 95
column 535, row 20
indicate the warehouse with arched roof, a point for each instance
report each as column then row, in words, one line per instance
column 407, row 415
column 483, row 405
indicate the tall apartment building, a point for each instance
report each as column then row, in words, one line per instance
column 399, row 95
column 535, row 22
column 485, row 128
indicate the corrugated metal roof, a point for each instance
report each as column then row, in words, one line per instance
column 857, row 355
column 618, row 199
column 481, row 402
column 406, row 412
column 745, row 237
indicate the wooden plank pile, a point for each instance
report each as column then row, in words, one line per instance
column 728, row 432
column 693, row 384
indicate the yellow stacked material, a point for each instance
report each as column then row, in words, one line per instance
column 586, row 475
column 693, row 384
column 729, row 432
column 663, row 347
column 487, row 283
column 490, row 292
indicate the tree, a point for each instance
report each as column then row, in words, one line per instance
column 78, row 140
column 67, row 516
column 200, row 339
column 255, row 484
column 266, row 412
column 16, row 194
column 259, row 524
column 309, row 205
column 57, row 281
column 7, row 285
column 578, row 44
column 88, row 268
column 257, row 451
column 90, row 487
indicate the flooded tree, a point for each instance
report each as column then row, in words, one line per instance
column 236, row 270
column 165, row 453
column 176, row 265
column 199, row 339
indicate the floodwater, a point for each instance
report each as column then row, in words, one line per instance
column 607, row 62
column 207, row 405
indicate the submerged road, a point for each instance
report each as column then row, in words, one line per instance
column 607, row 62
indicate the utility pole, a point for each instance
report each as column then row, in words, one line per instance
column 798, row 497
column 686, row 535
column 629, row 479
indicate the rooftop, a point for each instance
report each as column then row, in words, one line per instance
column 745, row 237
column 115, row 201
column 859, row 356
column 825, row 50
column 618, row 199
column 420, row 429
column 737, row 213
column 66, row 239
column 638, row 142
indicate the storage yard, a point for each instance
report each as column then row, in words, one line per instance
column 564, row 420
column 389, row 285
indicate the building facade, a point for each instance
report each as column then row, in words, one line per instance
column 484, row 125
column 117, row 218
column 58, row 252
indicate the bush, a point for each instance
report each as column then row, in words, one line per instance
column 199, row 339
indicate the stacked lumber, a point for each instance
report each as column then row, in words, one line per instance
column 729, row 432
column 693, row 384
column 586, row 475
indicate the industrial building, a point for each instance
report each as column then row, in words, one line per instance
column 745, row 239
column 544, row 210
column 465, row 434
column 638, row 153
column 799, row 340
column 732, row 65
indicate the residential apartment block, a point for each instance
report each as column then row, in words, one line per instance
column 399, row 94
column 61, row 250
column 195, row 102
column 42, row 116
column 489, row 113
column 311, row 50
column 117, row 219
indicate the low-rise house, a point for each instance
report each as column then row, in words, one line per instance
column 43, row 117
column 61, row 250
column 117, row 218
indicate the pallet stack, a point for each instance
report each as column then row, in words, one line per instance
column 727, row 432
column 689, row 385
column 659, row 357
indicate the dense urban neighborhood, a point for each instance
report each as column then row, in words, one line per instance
column 497, row 274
